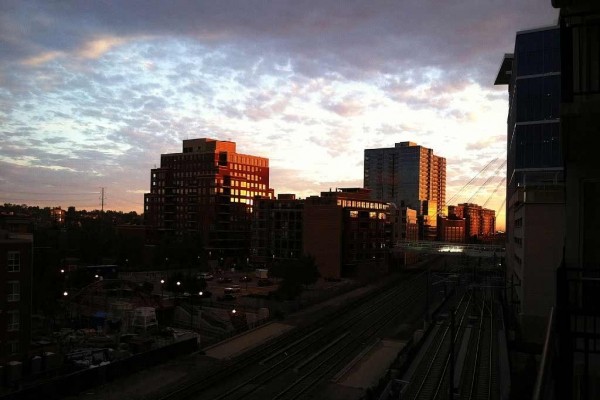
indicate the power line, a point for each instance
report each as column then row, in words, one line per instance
column 486, row 181
column 494, row 192
column 501, row 206
column 472, row 179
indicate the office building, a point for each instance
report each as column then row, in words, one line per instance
column 208, row 189
column 348, row 233
column 404, row 227
column 411, row 175
column 535, row 177
column 406, row 173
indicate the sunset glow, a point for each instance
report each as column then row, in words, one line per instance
column 91, row 96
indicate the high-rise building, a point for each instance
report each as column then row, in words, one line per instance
column 409, row 175
column 208, row 189
column 535, row 224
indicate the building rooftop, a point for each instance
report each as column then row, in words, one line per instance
column 503, row 76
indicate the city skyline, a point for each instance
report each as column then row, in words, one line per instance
column 92, row 94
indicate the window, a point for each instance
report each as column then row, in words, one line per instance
column 14, row 291
column 353, row 214
column 13, row 321
column 14, row 261
column 13, row 347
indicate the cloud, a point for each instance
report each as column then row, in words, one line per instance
column 93, row 92
column 42, row 58
column 97, row 47
column 490, row 141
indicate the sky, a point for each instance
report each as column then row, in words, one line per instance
column 93, row 92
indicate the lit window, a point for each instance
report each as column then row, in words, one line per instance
column 353, row 214
column 14, row 261
column 372, row 215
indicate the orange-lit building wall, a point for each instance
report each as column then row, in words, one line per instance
column 451, row 230
column 208, row 189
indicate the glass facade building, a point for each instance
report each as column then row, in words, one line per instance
column 407, row 174
column 535, row 225
column 533, row 145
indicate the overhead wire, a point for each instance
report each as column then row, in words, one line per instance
column 502, row 165
column 502, row 181
column 470, row 181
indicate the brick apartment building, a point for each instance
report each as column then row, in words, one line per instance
column 207, row 189
column 451, row 229
column 16, row 249
column 479, row 222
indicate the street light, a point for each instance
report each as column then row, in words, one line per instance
column 162, row 281
column 65, row 294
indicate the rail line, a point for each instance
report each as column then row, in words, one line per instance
column 433, row 377
column 280, row 357
column 480, row 375
column 428, row 380
column 340, row 338
column 338, row 356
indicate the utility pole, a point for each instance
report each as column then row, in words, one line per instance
column 102, row 200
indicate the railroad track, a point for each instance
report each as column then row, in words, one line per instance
column 480, row 377
column 292, row 357
column 431, row 379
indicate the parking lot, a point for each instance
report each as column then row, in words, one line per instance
column 245, row 286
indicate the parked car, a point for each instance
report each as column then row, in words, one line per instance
column 227, row 297
column 232, row 289
column 245, row 278
column 265, row 282
column 207, row 276
column 224, row 279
